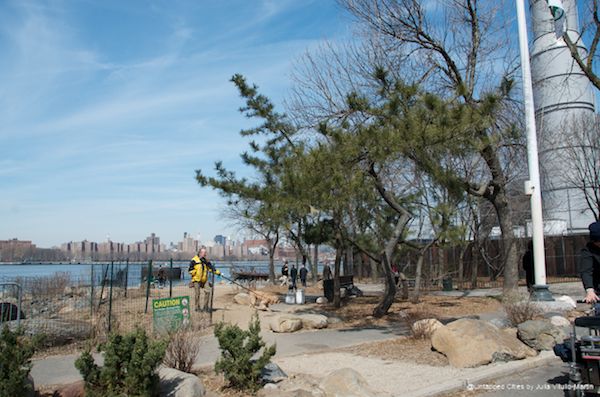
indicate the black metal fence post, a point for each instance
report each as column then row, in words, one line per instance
column 126, row 276
column 148, row 277
column 171, row 278
column 110, row 296
column 92, row 290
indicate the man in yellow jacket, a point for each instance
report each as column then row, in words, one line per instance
column 199, row 268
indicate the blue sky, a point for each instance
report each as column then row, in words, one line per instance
column 108, row 107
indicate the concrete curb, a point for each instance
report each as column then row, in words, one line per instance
column 486, row 374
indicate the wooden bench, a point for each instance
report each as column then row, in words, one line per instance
column 346, row 282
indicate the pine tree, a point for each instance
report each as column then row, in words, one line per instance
column 15, row 363
column 130, row 363
column 237, row 349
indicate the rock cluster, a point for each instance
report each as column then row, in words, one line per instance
column 342, row 382
column 293, row 322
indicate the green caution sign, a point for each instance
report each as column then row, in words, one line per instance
column 170, row 313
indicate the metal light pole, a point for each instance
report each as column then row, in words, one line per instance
column 533, row 185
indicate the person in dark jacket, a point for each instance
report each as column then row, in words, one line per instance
column 589, row 264
column 303, row 274
column 293, row 276
column 528, row 266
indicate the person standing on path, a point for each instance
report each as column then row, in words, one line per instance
column 303, row 274
column 528, row 266
column 284, row 273
column 293, row 276
column 199, row 268
column 589, row 264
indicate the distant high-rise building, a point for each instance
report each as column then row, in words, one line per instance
column 152, row 243
column 80, row 249
column 189, row 244
column 220, row 239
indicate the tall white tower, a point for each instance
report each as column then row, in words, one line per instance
column 564, row 100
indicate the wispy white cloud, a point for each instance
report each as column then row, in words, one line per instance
column 96, row 141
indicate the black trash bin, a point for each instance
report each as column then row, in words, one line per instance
column 447, row 284
column 328, row 289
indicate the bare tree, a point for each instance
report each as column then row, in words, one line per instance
column 590, row 38
column 456, row 49
column 583, row 152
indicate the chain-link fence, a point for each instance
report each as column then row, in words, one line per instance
column 71, row 306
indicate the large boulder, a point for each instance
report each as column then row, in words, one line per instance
column 540, row 334
column 285, row 323
column 315, row 321
column 175, row 383
column 242, row 299
column 56, row 332
column 76, row 389
column 425, row 327
column 346, row 382
column 470, row 343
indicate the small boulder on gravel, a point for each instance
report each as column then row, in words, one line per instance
column 175, row 383
column 346, row 382
column 321, row 300
column 540, row 334
column 285, row 323
column 272, row 373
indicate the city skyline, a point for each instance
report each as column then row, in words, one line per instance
column 108, row 109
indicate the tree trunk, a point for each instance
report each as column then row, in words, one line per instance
column 374, row 270
column 386, row 264
column 390, row 289
column 359, row 266
column 474, row 265
column 349, row 269
column 461, row 266
column 315, row 264
column 511, row 260
column 272, row 246
column 337, row 301
column 418, row 273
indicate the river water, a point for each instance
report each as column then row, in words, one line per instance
column 82, row 272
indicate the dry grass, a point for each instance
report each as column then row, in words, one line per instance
column 520, row 312
column 217, row 384
column 45, row 287
column 358, row 312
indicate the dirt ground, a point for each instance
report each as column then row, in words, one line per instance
column 355, row 312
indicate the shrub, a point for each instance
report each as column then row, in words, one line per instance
column 182, row 350
column 237, row 349
column 15, row 363
column 130, row 362
column 519, row 309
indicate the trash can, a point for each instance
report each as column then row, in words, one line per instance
column 447, row 284
column 328, row 289
column 300, row 297
column 290, row 298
